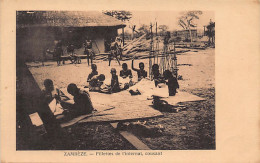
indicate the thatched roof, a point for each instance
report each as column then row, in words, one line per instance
column 66, row 19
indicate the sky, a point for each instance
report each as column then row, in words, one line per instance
column 169, row 18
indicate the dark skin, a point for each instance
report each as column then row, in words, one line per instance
column 50, row 88
column 94, row 69
column 125, row 68
column 142, row 73
column 113, row 53
column 113, row 85
column 141, row 66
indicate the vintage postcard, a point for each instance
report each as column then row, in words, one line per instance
column 112, row 82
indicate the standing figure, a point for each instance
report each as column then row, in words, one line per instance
column 88, row 51
column 119, row 49
column 166, row 40
column 141, row 73
column 172, row 82
column 57, row 53
column 44, row 55
column 113, row 52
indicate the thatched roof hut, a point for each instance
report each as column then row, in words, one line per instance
column 37, row 30
column 66, row 19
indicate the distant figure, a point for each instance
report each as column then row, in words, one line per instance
column 166, row 41
column 120, row 45
column 82, row 102
column 57, row 53
column 93, row 73
column 44, row 55
column 88, row 51
column 141, row 73
column 113, row 52
column 125, row 72
column 70, row 49
column 172, row 82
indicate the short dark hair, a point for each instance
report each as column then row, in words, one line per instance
column 101, row 77
column 93, row 66
column 124, row 65
column 167, row 74
column 113, row 70
column 48, row 82
column 71, row 88
column 141, row 63
column 155, row 67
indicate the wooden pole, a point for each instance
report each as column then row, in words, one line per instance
column 123, row 32
column 156, row 28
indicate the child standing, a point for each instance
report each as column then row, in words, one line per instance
column 114, row 52
column 88, row 51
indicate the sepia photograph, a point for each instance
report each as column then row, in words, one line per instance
column 115, row 80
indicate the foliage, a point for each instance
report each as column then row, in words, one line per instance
column 163, row 29
column 210, row 32
column 120, row 15
column 187, row 20
column 144, row 29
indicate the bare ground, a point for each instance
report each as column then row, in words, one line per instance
column 191, row 128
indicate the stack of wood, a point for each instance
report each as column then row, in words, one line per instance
column 140, row 44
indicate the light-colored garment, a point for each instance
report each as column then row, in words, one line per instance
column 55, row 107
column 147, row 89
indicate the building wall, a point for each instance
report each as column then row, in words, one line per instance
column 32, row 42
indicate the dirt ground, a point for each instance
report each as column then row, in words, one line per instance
column 191, row 128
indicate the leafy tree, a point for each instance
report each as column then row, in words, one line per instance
column 120, row 15
column 210, row 32
column 163, row 29
column 144, row 29
column 186, row 21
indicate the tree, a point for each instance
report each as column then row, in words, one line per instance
column 144, row 29
column 210, row 32
column 186, row 21
column 163, row 29
column 120, row 15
